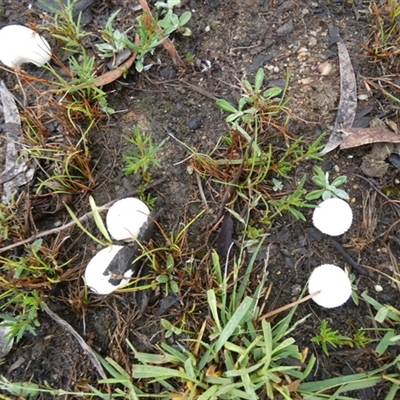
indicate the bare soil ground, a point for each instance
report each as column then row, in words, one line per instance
column 231, row 39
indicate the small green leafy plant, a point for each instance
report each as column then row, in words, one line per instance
column 327, row 189
column 167, row 278
column 255, row 102
column 143, row 156
column 169, row 21
column 383, row 312
column 26, row 320
column 328, row 337
column 114, row 40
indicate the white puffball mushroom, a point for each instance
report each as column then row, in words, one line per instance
column 333, row 283
column 126, row 217
column 333, row 216
column 96, row 279
column 20, row 44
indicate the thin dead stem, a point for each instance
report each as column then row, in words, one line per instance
column 81, row 219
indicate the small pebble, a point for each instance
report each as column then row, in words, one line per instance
column 195, row 122
column 325, row 68
column 296, row 290
column 336, row 168
column 378, row 288
column 305, row 81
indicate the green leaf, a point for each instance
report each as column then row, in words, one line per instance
column 212, row 304
column 174, row 20
column 234, row 116
column 381, row 314
column 139, row 65
column 162, row 278
column 297, row 214
column 319, row 181
column 184, row 18
column 166, row 324
column 341, row 194
column 170, row 264
column 272, row 92
column 315, row 194
column 237, row 318
column 326, row 195
column 174, row 287
column 226, row 106
column 385, row 342
column 339, row 180
column 77, row 222
column 259, row 79
column 98, row 220
column 186, row 32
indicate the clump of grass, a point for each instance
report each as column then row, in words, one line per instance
column 38, row 269
column 384, row 39
column 257, row 157
column 238, row 358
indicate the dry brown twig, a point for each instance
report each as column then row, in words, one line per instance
column 81, row 219
column 78, row 337
column 287, row 306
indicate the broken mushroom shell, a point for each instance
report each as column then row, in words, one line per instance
column 126, row 218
column 109, row 269
column 333, row 283
column 333, row 216
column 20, row 44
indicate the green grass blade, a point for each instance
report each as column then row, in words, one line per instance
column 77, row 222
column 233, row 323
column 98, row 220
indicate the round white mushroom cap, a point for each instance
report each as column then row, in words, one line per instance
column 20, row 44
column 334, row 284
column 94, row 274
column 126, row 217
column 333, row 216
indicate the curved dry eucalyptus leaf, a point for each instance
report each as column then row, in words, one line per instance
column 225, row 236
column 17, row 169
column 348, row 99
column 354, row 137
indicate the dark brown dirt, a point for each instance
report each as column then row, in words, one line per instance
column 231, row 40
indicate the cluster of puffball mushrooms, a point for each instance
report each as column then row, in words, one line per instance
column 19, row 45
column 111, row 268
column 332, row 217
